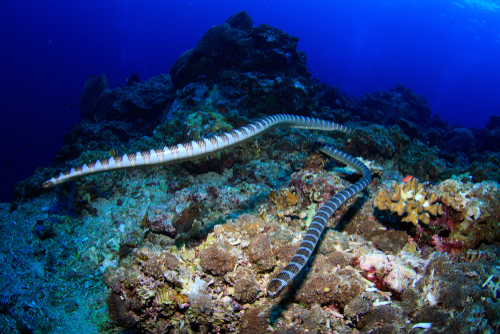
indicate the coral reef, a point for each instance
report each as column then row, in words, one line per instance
column 382, row 319
column 455, row 287
column 400, row 102
column 118, row 311
column 459, row 215
column 234, row 45
column 157, row 265
column 253, row 322
column 410, row 201
column 493, row 123
column 388, row 240
column 259, row 251
column 143, row 100
column 191, row 248
column 335, row 289
column 95, row 99
column 471, row 211
column 216, row 260
column 246, row 287
column 198, row 127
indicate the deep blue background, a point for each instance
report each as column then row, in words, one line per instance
column 447, row 52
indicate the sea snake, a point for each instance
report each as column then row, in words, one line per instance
column 216, row 143
column 319, row 220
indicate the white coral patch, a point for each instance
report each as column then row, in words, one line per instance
column 379, row 261
column 400, row 277
column 473, row 212
column 108, row 262
column 197, row 287
column 431, row 298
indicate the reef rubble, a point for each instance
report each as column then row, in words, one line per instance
column 191, row 247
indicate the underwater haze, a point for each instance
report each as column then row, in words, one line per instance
column 250, row 167
column 446, row 51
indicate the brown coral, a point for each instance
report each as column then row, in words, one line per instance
column 117, row 311
column 202, row 304
column 338, row 259
column 253, row 322
column 389, row 240
column 169, row 260
column 290, row 329
column 132, row 278
column 324, row 288
column 250, row 225
column 320, row 289
column 246, row 287
column 356, row 307
column 327, row 263
column 283, row 199
column 259, row 252
column 434, row 315
column 315, row 161
column 113, row 277
column 156, row 266
column 409, row 200
column 153, row 267
column 217, row 260
column 350, row 288
column 333, row 241
column 301, row 319
column 245, row 290
column 383, row 319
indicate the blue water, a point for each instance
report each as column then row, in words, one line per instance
column 447, row 51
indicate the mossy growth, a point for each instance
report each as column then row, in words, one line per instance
column 217, row 261
column 410, row 201
column 201, row 123
column 285, row 201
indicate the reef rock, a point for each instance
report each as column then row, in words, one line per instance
column 96, row 97
column 471, row 211
column 236, row 45
column 493, row 123
column 388, row 107
column 136, row 100
column 459, row 139
column 142, row 100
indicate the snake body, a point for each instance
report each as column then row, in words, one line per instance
column 319, row 220
column 216, row 143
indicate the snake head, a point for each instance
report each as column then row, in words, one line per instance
column 48, row 184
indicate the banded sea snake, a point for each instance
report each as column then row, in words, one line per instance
column 216, row 143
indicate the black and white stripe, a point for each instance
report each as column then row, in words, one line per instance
column 216, row 143
column 319, row 221
column 194, row 149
